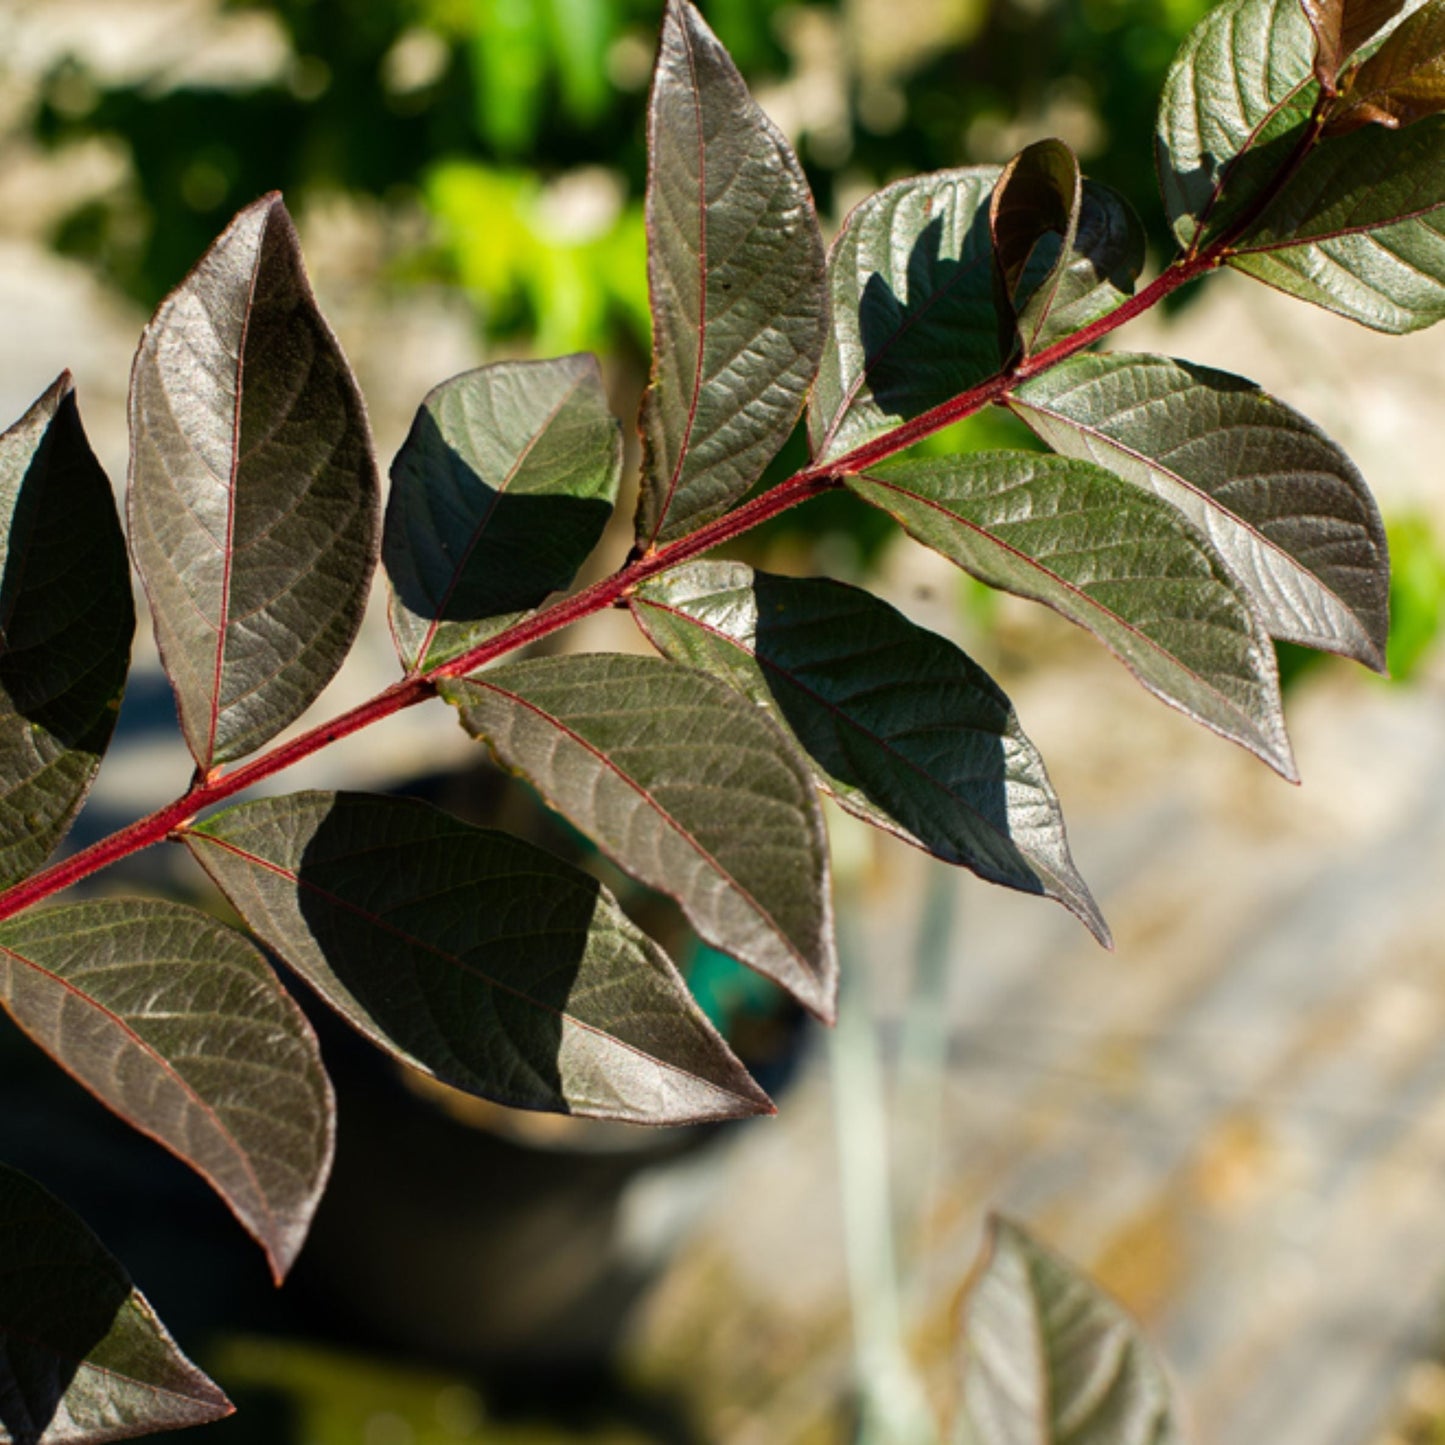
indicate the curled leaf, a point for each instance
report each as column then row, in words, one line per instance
column 1402, row 82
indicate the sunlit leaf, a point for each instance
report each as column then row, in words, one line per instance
column 1284, row 506
column 85, row 1359
column 901, row 727
column 66, row 622
column 687, row 786
column 914, row 318
column 1403, row 81
column 253, row 493
column 735, row 263
column 1112, row 558
column 1341, row 27
column 178, row 1024
column 474, row 956
column 1049, row 1359
column 501, row 490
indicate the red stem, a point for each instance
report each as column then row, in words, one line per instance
column 811, row 482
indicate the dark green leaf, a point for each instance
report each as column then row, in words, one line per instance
column 1403, row 81
column 178, row 1024
column 1242, row 81
column 253, row 491
column 1049, row 1359
column 85, row 1358
column 1360, row 230
column 735, row 267
column 66, row 622
column 1282, row 503
column 475, row 957
column 902, row 728
column 501, row 490
column 1112, row 558
column 914, row 319
column 1341, row 27
column 687, row 786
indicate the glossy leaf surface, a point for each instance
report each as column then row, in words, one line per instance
column 902, row 728
column 735, row 271
column 1404, row 80
column 253, row 493
column 1239, row 83
column 474, row 956
column 85, row 1359
column 1284, row 506
column 914, row 318
column 1112, row 558
column 1049, row 1359
column 66, row 623
column 687, row 786
column 1341, row 27
column 178, row 1024
column 501, row 490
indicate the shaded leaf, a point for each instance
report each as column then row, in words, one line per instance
column 85, row 1359
column 474, row 956
column 1403, row 81
column 253, row 489
column 66, row 622
column 178, row 1024
column 1341, row 27
column 1049, row 1359
column 499, row 493
column 1112, row 558
column 1360, row 229
column 735, row 271
column 1283, row 505
column 902, row 728
column 914, row 316
column 1242, row 82
column 687, row 786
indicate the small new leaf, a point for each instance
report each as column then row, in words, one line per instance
column 1047, row 1358
column 253, row 489
column 66, row 622
column 1341, row 27
column 1284, row 506
column 474, row 957
column 689, row 787
column 1112, row 558
column 499, row 493
column 84, row 1357
column 900, row 726
column 179, row 1025
column 1402, row 82
column 735, row 272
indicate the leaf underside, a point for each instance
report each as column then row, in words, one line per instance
column 1111, row 557
column 736, row 280
column 900, row 726
column 178, row 1024
column 473, row 956
column 253, row 493
column 500, row 492
column 66, row 622
column 1049, row 1359
column 1282, row 504
column 687, row 786
column 85, row 1359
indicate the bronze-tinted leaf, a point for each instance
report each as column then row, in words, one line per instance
column 253, row 489
column 1403, row 81
column 1341, row 27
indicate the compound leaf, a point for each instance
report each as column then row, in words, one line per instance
column 1283, row 505
column 1049, row 1358
column 499, row 493
column 85, row 1358
column 735, row 270
column 474, row 956
column 66, row 622
column 1112, row 558
column 689, row 787
column 179, row 1025
column 914, row 314
column 253, row 491
column 901, row 727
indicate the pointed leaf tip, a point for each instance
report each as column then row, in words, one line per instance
column 253, row 490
